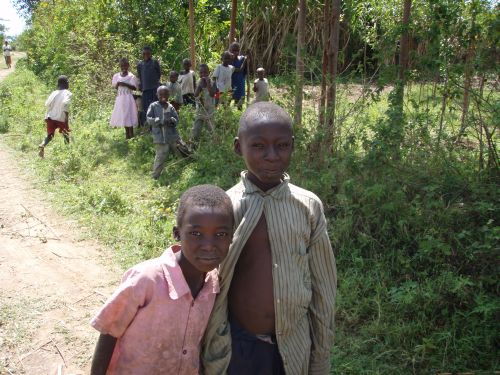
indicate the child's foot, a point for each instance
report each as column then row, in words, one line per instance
column 41, row 151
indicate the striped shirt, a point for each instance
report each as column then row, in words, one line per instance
column 304, row 277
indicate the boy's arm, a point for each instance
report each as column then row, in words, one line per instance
column 139, row 86
column 324, row 285
column 151, row 118
column 102, row 354
column 194, row 81
column 197, row 89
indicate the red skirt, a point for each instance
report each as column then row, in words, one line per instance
column 53, row 125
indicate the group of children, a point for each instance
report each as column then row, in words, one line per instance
column 249, row 289
column 225, row 84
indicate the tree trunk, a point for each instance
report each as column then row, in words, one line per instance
column 324, row 61
column 333, row 51
column 191, row 34
column 299, row 87
column 232, row 28
column 404, row 43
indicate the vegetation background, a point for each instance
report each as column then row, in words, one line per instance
column 406, row 162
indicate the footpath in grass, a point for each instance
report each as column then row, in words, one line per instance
column 415, row 238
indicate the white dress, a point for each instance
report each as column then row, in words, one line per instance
column 125, row 110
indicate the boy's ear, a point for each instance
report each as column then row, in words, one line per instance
column 237, row 146
column 177, row 234
column 293, row 143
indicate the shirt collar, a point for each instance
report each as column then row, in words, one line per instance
column 276, row 192
column 177, row 285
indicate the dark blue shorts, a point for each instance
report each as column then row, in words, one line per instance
column 252, row 356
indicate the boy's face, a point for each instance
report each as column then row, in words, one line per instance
column 266, row 148
column 187, row 65
column 173, row 77
column 260, row 74
column 163, row 96
column 235, row 52
column 205, row 234
column 204, row 72
column 226, row 59
column 146, row 54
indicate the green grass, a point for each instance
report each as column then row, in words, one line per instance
column 416, row 239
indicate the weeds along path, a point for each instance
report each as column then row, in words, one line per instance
column 50, row 281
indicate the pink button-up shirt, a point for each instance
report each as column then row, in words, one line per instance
column 158, row 324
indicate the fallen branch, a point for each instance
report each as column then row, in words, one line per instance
column 41, row 221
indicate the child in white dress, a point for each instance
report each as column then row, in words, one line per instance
column 125, row 110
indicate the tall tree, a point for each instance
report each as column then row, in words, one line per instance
column 301, row 25
column 191, row 34
column 232, row 28
column 331, row 92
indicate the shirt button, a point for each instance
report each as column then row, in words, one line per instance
column 275, row 265
column 278, row 300
column 184, row 351
column 279, row 333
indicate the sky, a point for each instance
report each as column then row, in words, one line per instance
column 8, row 16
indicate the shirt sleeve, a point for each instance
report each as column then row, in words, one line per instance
column 114, row 81
column 120, row 309
column 216, row 72
column 324, row 285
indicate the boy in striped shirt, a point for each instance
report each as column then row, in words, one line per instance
column 275, row 311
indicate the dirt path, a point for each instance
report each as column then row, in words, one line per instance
column 50, row 281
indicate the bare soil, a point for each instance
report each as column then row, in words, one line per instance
column 51, row 282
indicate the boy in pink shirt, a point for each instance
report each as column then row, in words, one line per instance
column 155, row 320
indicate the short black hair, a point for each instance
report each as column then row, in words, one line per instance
column 124, row 60
column 226, row 53
column 234, row 45
column 204, row 196
column 146, row 48
column 186, row 61
column 62, row 81
column 174, row 72
column 203, row 66
column 263, row 111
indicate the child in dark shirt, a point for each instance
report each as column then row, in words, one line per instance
column 149, row 74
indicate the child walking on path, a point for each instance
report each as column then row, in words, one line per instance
column 163, row 120
column 261, row 87
column 275, row 310
column 57, row 113
column 239, row 77
column 149, row 73
column 7, row 52
column 187, row 80
column 175, row 90
column 125, row 110
column 205, row 104
column 154, row 322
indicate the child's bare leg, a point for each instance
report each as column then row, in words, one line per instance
column 66, row 137
column 47, row 139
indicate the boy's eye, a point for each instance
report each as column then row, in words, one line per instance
column 258, row 145
column 222, row 234
column 195, row 233
column 284, row 145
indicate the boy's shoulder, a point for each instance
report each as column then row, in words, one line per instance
column 294, row 192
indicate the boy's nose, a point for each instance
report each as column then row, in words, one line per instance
column 271, row 154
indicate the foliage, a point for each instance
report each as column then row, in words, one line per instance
column 413, row 212
column 415, row 238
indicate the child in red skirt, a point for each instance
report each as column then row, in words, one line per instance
column 57, row 113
